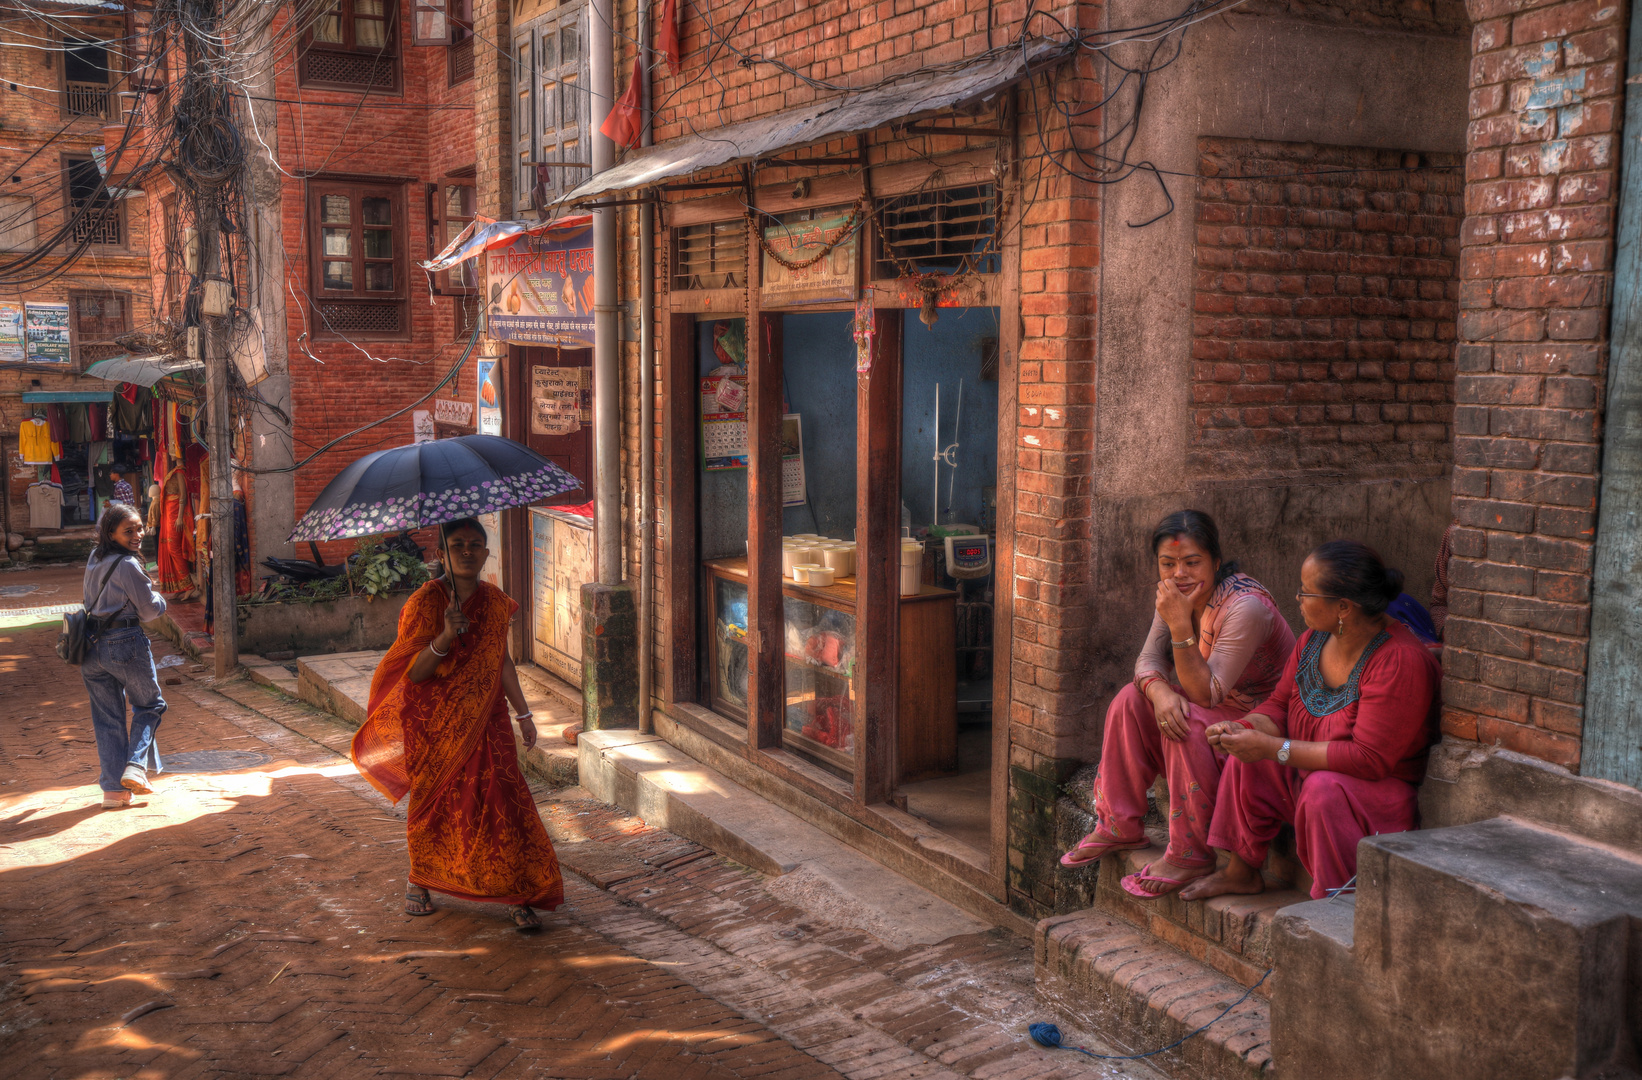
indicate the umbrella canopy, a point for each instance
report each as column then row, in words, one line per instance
column 409, row 487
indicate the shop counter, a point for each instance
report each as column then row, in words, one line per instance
column 820, row 660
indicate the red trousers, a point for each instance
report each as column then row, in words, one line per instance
column 1134, row 753
column 1330, row 812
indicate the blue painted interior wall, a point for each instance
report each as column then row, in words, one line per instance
column 819, row 368
column 943, row 354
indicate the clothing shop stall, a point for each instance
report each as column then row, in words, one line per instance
column 88, row 448
column 159, row 410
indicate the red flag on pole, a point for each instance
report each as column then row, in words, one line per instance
column 625, row 124
column 667, row 34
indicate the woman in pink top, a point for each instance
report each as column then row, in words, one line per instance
column 1340, row 744
column 1215, row 650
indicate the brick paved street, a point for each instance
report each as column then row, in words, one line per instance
column 247, row 922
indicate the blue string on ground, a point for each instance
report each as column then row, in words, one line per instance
column 1048, row 1035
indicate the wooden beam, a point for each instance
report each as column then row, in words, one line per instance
column 878, row 561
column 766, row 623
column 678, row 510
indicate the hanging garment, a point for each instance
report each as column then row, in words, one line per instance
column 35, row 443
column 59, row 423
column 97, row 420
column 175, row 544
column 79, row 423
column 134, row 415
column 45, row 506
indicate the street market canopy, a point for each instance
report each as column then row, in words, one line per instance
column 851, row 113
column 481, row 236
column 143, row 370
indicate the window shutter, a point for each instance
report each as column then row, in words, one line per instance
column 430, row 22
column 524, row 116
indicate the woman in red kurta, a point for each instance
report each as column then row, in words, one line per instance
column 437, row 729
column 1338, row 747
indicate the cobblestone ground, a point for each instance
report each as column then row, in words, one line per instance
column 247, row 922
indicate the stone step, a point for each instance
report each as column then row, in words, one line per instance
column 1100, row 973
column 1231, row 934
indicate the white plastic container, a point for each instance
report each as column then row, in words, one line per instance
column 820, row 576
column 840, row 559
column 801, row 572
column 912, row 568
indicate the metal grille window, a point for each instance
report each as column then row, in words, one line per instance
column 712, row 255
column 354, row 45
column 948, row 230
column 104, row 218
column 550, row 65
column 358, row 253
column 86, row 78
column 97, row 319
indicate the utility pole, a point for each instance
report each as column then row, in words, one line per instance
column 225, row 616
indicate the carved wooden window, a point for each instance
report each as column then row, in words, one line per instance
column 353, row 45
column 358, row 259
column 552, row 106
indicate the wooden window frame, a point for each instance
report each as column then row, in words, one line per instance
column 33, row 214
column 530, row 101
column 459, row 59
column 440, row 233
column 99, row 342
column 171, row 296
column 398, row 299
column 110, row 111
column 390, row 52
column 121, row 218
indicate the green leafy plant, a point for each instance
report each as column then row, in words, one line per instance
column 372, row 571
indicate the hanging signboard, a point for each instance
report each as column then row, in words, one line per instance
column 830, row 279
column 454, row 413
column 541, row 289
column 561, row 399
column 45, row 326
column 422, row 429
column 490, row 397
column 11, row 331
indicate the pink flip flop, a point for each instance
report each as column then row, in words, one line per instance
column 1132, row 883
column 1100, row 848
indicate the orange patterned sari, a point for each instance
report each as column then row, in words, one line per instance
column 473, row 829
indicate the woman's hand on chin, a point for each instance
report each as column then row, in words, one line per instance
column 1175, row 607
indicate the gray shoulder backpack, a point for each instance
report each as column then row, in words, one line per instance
column 73, row 642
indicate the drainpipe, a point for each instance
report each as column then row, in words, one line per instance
column 647, row 402
column 606, row 349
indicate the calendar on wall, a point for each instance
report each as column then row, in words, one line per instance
column 724, row 441
column 792, row 460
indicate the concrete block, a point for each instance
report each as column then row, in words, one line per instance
column 610, row 672
column 1476, row 951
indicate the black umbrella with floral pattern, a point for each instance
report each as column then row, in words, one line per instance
column 410, row 487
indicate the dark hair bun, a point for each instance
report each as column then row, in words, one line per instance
column 1354, row 571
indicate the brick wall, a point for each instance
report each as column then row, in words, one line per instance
column 1325, row 304
column 1536, row 268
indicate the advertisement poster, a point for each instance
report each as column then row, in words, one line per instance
column 11, row 331
column 541, row 289
column 830, row 279
column 45, row 326
column 422, row 426
column 490, row 398
column 561, row 399
column 454, row 413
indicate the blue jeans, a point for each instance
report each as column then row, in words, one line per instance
column 119, row 665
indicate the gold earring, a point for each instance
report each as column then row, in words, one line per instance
column 1340, row 631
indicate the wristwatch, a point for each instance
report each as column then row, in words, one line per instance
column 1283, row 754
column 1191, row 639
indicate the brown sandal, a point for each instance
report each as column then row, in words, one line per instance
column 419, row 902
column 525, row 920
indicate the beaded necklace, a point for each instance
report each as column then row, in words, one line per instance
column 1317, row 696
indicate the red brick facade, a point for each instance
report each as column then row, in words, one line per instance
column 1325, row 304
column 1536, row 267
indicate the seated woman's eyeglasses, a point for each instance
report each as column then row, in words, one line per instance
column 1314, row 595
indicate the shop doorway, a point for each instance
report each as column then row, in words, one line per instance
column 553, row 416
column 941, row 720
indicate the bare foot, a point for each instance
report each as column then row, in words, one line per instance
column 1161, row 878
column 1222, row 882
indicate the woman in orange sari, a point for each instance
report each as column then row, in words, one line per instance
column 437, row 729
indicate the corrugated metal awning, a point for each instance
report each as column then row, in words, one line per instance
column 142, row 370
column 851, row 113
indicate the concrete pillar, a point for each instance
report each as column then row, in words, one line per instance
column 610, row 657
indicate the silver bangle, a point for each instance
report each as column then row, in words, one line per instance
column 524, row 716
column 436, row 652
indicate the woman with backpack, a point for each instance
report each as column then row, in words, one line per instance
column 119, row 665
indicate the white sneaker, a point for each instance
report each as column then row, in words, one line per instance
column 116, row 800
column 136, row 779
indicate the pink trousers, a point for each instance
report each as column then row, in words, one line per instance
column 1134, row 752
column 1330, row 812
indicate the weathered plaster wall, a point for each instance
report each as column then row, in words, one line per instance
column 1241, row 77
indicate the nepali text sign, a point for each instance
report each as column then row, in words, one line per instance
column 541, row 289
column 11, row 331
column 830, row 278
column 561, row 399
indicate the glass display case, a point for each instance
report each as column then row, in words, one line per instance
column 820, row 650
column 729, row 652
